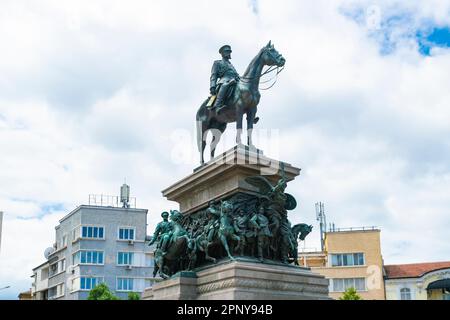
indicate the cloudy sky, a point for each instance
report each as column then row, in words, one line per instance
column 93, row 92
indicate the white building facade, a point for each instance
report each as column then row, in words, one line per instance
column 96, row 244
column 418, row 281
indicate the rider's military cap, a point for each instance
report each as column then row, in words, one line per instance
column 165, row 213
column 225, row 48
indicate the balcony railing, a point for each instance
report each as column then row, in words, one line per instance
column 369, row 228
column 103, row 200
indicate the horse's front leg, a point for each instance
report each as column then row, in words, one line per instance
column 224, row 241
column 250, row 121
column 161, row 270
column 207, row 256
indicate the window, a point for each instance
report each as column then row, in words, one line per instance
column 60, row 289
column 149, row 261
column 125, row 284
column 64, row 241
column 62, row 265
column 340, row 285
column 75, row 234
column 88, row 257
column 126, row 233
column 446, row 294
column 405, row 294
column 347, row 259
column 92, row 232
column 44, row 273
column 57, row 267
column 87, row 283
column 125, row 258
column 56, row 291
column 53, row 269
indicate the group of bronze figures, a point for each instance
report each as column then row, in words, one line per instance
column 253, row 226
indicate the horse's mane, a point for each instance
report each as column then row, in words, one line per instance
column 250, row 65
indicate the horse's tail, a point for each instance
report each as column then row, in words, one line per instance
column 200, row 118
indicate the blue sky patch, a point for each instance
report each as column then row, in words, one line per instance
column 396, row 27
column 437, row 37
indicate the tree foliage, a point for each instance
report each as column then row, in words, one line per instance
column 134, row 296
column 350, row 294
column 101, row 292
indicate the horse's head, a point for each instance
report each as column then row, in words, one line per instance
column 176, row 215
column 271, row 57
column 227, row 207
column 305, row 231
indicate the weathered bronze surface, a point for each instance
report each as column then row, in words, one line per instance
column 236, row 206
column 243, row 225
column 236, row 96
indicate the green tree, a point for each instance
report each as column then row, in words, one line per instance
column 134, row 296
column 101, row 292
column 350, row 294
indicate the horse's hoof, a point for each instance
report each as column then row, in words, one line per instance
column 213, row 260
column 255, row 121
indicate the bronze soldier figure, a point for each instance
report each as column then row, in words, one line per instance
column 240, row 227
column 162, row 231
column 260, row 226
column 212, row 227
column 223, row 76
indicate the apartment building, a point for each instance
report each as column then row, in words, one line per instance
column 351, row 258
column 94, row 244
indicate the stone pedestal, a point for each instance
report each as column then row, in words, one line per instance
column 224, row 176
column 242, row 279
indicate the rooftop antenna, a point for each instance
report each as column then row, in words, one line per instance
column 125, row 195
column 320, row 216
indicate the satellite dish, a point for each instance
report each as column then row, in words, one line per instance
column 48, row 252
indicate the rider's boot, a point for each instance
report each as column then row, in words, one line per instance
column 164, row 248
column 260, row 252
column 219, row 104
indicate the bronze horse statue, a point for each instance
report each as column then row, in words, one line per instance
column 299, row 231
column 221, row 237
column 243, row 100
column 178, row 247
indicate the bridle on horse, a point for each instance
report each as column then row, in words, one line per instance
column 269, row 70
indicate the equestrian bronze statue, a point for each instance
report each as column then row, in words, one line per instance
column 236, row 96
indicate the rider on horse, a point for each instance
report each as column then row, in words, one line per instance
column 162, row 232
column 223, row 76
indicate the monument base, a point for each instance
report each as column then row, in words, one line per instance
column 242, row 279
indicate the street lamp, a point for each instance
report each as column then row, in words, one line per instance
column 5, row 287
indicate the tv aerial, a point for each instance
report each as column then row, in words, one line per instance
column 125, row 195
column 320, row 216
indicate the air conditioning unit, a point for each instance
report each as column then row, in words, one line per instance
column 130, row 241
column 129, row 267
